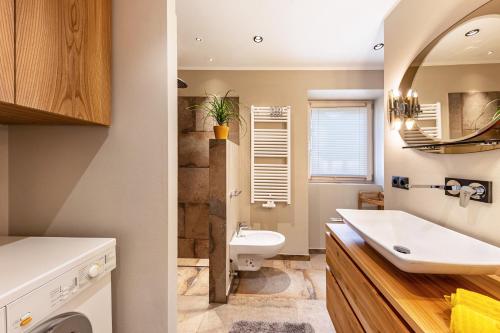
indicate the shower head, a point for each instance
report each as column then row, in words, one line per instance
column 181, row 84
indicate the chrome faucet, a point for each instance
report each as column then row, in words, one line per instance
column 241, row 226
column 473, row 190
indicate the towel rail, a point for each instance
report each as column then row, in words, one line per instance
column 270, row 181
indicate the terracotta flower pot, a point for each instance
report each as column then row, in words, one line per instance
column 221, row 132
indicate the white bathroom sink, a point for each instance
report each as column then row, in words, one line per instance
column 432, row 248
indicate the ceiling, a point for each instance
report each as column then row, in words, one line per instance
column 298, row 34
column 457, row 49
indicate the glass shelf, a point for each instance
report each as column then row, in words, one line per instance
column 491, row 142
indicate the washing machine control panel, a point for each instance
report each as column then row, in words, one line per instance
column 26, row 312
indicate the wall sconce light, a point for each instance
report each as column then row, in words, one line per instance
column 403, row 109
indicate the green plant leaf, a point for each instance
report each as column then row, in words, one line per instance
column 497, row 115
column 221, row 109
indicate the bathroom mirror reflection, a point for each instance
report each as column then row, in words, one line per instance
column 457, row 78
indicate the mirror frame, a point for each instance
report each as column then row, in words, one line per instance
column 471, row 143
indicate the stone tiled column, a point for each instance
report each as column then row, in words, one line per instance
column 217, row 221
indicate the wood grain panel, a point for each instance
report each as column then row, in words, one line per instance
column 342, row 316
column 15, row 115
column 417, row 298
column 369, row 306
column 7, row 51
column 63, row 57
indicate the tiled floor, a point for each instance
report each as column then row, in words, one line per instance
column 192, row 262
column 281, row 291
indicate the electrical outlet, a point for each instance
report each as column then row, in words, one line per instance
column 395, row 181
column 404, row 183
column 401, row 182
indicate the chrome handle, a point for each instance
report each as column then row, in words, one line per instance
column 479, row 191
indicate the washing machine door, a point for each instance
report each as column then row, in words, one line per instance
column 71, row 322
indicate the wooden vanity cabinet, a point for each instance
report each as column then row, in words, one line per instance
column 58, row 70
column 370, row 308
column 366, row 293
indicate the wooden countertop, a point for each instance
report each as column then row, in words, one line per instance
column 418, row 298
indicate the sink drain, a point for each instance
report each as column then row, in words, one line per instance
column 401, row 249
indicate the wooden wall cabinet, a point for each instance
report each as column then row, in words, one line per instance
column 58, row 57
column 7, row 51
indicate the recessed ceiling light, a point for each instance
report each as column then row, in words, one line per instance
column 198, row 39
column 258, row 39
column 211, row 59
column 472, row 33
column 490, row 52
column 379, row 46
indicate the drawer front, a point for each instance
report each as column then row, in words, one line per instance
column 369, row 306
column 343, row 317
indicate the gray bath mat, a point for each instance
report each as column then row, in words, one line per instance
column 244, row 326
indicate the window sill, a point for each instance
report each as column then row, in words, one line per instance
column 340, row 181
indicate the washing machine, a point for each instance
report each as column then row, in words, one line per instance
column 56, row 285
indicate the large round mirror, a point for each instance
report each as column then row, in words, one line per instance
column 457, row 79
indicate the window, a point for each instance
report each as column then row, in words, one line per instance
column 340, row 143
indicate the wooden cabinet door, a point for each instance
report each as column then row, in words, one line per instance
column 63, row 57
column 338, row 307
column 7, row 51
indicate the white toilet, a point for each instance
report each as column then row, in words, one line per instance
column 249, row 248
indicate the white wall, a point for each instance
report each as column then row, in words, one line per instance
column 118, row 181
column 4, row 181
column 324, row 200
column 403, row 42
column 171, row 164
column 232, row 204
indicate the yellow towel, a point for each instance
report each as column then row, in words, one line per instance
column 466, row 320
column 480, row 303
column 473, row 313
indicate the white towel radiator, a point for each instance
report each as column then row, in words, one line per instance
column 270, row 155
column 431, row 112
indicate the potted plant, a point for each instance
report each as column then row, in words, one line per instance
column 222, row 110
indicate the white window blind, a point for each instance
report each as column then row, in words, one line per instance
column 339, row 142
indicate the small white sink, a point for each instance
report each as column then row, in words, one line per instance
column 416, row 245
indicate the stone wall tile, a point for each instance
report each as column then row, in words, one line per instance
column 193, row 149
column 185, row 248
column 193, row 185
column 196, row 221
